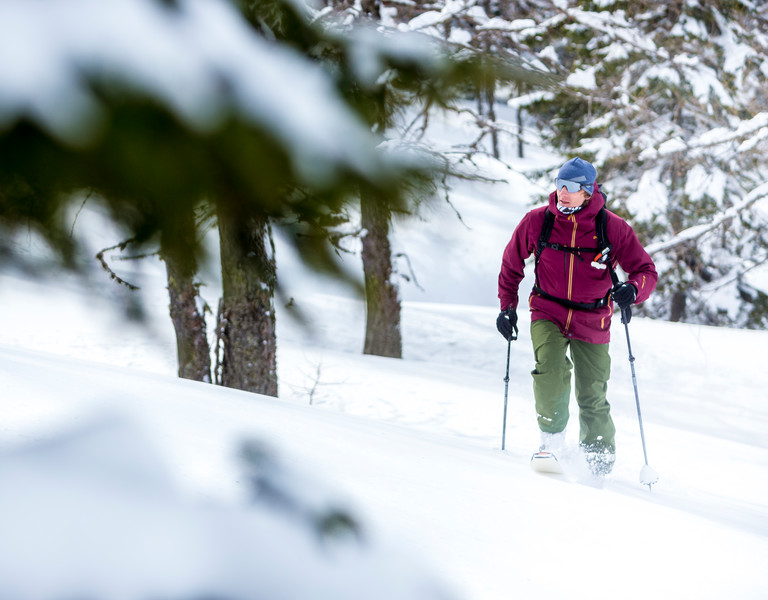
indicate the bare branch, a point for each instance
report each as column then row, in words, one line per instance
column 104, row 265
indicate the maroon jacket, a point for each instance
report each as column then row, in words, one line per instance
column 563, row 275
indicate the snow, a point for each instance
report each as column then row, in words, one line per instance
column 584, row 78
column 111, row 465
column 736, row 54
column 425, row 20
column 648, row 476
column 651, row 195
column 699, row 182
column 615, row 51
column 662, row 72
column 198, row 58
column 120, row 481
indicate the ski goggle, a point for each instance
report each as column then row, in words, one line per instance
column 571, row 186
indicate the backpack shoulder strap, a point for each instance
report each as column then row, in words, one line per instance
column 601, row 228
column 603, row 256
column 601, row 221
column 546, row 231
column 604, row 245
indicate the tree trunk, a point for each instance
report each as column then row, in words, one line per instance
column 490, row 96
column 382, row 329
column 371, row 8
column 247, row 314
column 192, row 349
column 677, row 306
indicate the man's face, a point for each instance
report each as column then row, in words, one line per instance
column 571, row 200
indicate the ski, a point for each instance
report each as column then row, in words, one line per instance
column 546, row 462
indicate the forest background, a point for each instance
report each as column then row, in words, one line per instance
column 317, row 120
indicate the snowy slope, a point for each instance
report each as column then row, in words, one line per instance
column 412, row 446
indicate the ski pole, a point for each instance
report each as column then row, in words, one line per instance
column 647, row 475
column 506, row 391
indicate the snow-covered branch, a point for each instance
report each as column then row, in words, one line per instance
column 697, row 231
column 746, row 135
column 198, row 59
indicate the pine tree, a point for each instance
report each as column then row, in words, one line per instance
column 656, row 95
column 246, row 321
column 189, row 325
column 397, row 90
column 667, row 100
column 151, row 151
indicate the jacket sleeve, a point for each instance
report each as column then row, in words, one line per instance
column 520, row 247
column 630, row 255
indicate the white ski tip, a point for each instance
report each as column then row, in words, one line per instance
column 648, row 476
column 545, row 462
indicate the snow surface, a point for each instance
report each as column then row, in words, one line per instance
column 411, row 447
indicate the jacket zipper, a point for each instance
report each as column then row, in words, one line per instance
column 571, row 262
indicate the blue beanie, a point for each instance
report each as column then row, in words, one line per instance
column 580, row 171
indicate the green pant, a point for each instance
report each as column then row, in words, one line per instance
column 552, row 385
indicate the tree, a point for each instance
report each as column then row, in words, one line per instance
column 246, row 320
column 656, row 96
column 666, row 100
column 152, row 148
column 382, row 326
column 193, row 350
column 390, row 91
column 266, row 130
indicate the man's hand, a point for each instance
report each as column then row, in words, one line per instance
column 506, row 323
column 624, row 295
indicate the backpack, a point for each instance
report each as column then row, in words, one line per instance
column 601, row 258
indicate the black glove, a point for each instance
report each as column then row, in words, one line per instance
column 624, row 295
column 506, row 323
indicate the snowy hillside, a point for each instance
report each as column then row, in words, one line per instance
column 373, row 478
column 411, row 447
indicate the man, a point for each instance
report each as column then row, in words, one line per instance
column 571, row 306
